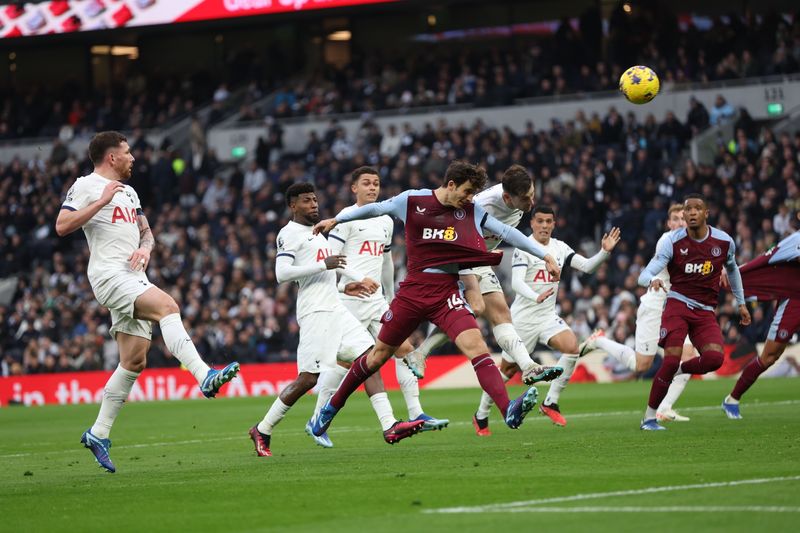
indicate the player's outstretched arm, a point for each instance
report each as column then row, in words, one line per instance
column 518, row 239
column 591, row 264
column 395, row 206
column 70, row 220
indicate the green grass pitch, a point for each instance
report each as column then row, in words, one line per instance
column 190, row 466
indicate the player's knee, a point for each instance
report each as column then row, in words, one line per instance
column 670, row 366
column 135, row 364
column 767, row 360
column 169, row 306
column 712, row 359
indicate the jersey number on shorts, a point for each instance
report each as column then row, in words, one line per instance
column 455, row 302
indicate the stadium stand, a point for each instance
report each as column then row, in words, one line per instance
column 216, row 227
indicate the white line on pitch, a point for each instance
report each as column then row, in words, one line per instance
column 510, row 507
column 657, row 509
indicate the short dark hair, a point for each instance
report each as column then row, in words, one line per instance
column 460, row 172
column 296, row 189
column 360, row 171
column 696, row 196
column 544, row 209
column 516, row 180
column 102, row 142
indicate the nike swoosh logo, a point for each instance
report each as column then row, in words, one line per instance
column 361, row 229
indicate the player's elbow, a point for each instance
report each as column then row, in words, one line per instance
column 62, row 228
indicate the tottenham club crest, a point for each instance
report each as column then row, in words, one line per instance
column 716, row 251
column 460, row 214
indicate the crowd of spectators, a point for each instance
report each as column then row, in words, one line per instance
column 566, row 63
column 216, row 227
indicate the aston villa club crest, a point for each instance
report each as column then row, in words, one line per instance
column 716, row 251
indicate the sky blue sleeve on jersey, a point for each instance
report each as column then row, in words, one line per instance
column 512, row 236
column 734, row 276
column 657, row 263
column 788, row 249
column 396, row 206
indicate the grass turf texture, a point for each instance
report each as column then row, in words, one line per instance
column 190, row 466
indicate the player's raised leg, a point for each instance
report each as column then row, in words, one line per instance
column 158, row 306
column 132, row 360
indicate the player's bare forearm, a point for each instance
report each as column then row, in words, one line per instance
column 69, row 221
column 146, row 238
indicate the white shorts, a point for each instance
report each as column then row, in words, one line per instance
column 648, row 326
column 486, row 278
column 368, row 312
column 119, row 294
column 328, row 336
column 533, row 333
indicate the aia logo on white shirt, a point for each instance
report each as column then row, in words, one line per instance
column 543, row 276
column 123, row 214
column 322, row 253
column 371, row 248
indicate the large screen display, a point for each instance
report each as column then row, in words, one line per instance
column 63, row 16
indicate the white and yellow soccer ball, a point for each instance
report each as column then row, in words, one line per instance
column 639, row 84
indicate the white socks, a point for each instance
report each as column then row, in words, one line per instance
column 435, row 338
column 115, row 393
column 675, row 390
column 620, row 352
column 328, row 382
column 181, row 346
column 409, row 386
column 485, row 407
column 273, row 416
column 568, row 363
column 728, row 399
column 649, row 413
column 509, row 341
column 382, row 407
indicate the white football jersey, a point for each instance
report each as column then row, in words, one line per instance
column 113, row 232
column 492, row 201
column 657, row 299
column 317, row 292
column 538, row 279
column 365, row 242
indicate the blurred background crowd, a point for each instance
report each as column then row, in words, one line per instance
column 215, row 223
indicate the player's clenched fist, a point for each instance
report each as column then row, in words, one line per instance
column 335, row 261
column 110, row 190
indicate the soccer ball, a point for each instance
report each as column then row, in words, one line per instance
column 639, row 84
